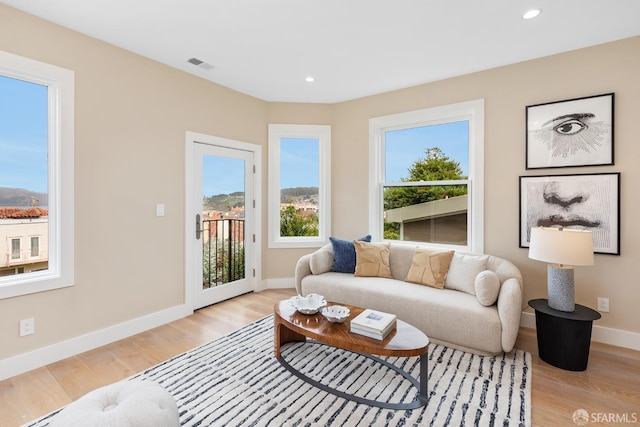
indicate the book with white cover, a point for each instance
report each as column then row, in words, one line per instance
column 373, row 321
column 377, row 335
column 375, row 332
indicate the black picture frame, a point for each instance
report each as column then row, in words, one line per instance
column 570, row 133
column 581, row 201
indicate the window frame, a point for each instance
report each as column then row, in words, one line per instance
column 60, row 93
column 471, row 111
column 323, row 134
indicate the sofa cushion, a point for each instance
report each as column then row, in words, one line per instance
column 429, row 267
column 487, row 287
column 463, row 271
column 344, row 254
column 321, row 260
column 372, row 259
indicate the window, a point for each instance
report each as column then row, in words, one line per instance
column 299, row 185
column 15, row 249
column 35, row 247
column 36, row 174
column 427, row 176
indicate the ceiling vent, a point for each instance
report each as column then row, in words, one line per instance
column 199, row 63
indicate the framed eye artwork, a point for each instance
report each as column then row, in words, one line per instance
column 570, row 133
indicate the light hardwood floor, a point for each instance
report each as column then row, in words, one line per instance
column 610, row 385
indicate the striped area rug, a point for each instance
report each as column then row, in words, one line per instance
column 236, row 381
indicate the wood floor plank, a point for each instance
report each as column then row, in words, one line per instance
column 132, row 355
column 30, row 395
column 609, row 385
column 105, row 365
column 75, row 377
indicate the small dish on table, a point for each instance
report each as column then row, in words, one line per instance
column 309, row 304
column 336, row 313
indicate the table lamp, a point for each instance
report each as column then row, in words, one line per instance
column 562, row 248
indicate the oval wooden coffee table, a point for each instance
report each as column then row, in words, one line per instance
column 405, row 341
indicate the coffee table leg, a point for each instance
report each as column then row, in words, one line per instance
column 283, row 335
column 424, row 377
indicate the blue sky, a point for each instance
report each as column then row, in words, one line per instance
column 299, row 158
column 23, row 135
column 222, row 175
column 23, row 144
column 404, row 147
column 299, row 162
column 299, row 168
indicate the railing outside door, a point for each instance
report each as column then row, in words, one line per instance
column 222, row 251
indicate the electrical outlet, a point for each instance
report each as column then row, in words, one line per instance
column 27, row 327
column 603, row 305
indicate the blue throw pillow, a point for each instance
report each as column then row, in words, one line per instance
column 344, row 254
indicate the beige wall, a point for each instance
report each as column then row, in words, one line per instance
column 131, row 118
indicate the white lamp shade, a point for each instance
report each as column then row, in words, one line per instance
column 561, row 246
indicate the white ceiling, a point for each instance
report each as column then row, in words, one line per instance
column 354, row 48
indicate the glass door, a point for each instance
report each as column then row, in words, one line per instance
column 223, row 200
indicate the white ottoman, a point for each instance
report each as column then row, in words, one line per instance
column 132, row 403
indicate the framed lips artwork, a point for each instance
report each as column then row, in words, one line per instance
column 580, row 201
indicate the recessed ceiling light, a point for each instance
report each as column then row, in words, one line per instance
column 530, row 14
column 309, row 79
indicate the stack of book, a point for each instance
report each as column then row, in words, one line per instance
column 373, row 323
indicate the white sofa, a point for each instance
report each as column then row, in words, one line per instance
column 455, row 318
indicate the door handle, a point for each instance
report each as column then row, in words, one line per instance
column 198, row 227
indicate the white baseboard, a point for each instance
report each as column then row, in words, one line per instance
column 34, row 359
column 286, row 283
column 25, row 362
column 601, row 334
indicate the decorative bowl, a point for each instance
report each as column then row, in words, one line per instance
column 336, row 313
column 310, row 304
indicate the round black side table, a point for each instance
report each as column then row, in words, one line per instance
column 564, row 338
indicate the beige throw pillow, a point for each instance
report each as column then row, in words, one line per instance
column 463, row 272
column 429, row 267
column 487, row 286
column 372, row 259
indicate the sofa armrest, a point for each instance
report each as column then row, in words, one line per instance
column 509, row 311
column 303, row 268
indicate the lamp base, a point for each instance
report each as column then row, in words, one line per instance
column 560, row 288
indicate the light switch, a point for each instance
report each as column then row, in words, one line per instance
column 159, row 209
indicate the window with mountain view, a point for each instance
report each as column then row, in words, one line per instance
column 299, row 185
column 36, row 176
column 429, row 162
column 24, row 174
